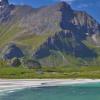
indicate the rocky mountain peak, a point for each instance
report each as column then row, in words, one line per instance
column 5, row 9
column 3, row 3
column 63, row 6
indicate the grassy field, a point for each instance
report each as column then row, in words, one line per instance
column 52, row 72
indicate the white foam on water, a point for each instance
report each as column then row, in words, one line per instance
column 5, row 92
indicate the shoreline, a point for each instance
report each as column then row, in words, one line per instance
column 11, row 85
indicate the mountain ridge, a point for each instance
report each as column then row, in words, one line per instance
column 50, row 34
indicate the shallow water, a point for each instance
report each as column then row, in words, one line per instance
column 69, row 92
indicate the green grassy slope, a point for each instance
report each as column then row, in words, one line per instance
column 47, row 72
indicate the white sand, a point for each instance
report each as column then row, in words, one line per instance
column 11, row 85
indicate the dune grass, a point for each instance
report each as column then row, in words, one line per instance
column 48, row 72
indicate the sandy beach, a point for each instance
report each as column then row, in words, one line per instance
column 13, row 84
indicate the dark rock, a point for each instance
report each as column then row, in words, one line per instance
column 15, row 62
column 3, row 3
column 12, row 51
column 32, row 64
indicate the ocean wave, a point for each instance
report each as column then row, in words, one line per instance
column 5, row 92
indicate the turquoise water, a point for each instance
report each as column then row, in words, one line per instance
column 70, row 92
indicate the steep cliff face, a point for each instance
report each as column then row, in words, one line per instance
column 4, row 10
column 75, row 28
column 51, row 34
column 3, row 4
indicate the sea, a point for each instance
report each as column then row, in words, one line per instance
column 88, row 91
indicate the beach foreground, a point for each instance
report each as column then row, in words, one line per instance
column 10, row 85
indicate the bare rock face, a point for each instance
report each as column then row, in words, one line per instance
column 75, row 25
column 5, row 10
column 12, row 51
column 3, row 3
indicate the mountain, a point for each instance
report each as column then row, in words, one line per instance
column 54, row 35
